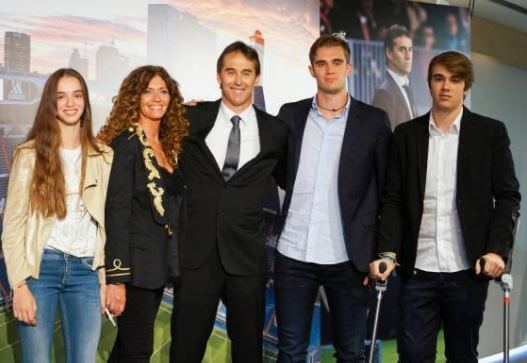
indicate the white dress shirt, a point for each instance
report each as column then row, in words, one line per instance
column 440, row 246
column 313, row 227
column 218, row 137
column 402, row 81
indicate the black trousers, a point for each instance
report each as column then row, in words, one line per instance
column 296, row 288
column 196, row 301
column 427, row 301
column 135, row 327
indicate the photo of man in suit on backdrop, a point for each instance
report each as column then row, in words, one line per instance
column 229, row 157
column 394, row 95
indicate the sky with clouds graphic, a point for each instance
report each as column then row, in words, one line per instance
column 58, row 27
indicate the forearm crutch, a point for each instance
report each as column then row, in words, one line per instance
column 506, row 284
column 380, row 286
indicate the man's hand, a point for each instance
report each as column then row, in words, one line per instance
column 494, row 265
column 24, row 305
column 193, row 102
column 376, row 274
column 116, row 298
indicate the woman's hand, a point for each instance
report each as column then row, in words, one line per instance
column 116, row 298
column 24, row 305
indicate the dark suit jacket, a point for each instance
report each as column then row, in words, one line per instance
column 361, row 172
column 388, row 97
column 228, row 213
column 139, row 250
column 487, row 198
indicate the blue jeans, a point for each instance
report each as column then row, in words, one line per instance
column 69, row 283
column 296, row 287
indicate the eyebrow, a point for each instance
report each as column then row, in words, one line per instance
column 62, row 92
column 242, row 70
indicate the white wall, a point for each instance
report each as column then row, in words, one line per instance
column 500, row 91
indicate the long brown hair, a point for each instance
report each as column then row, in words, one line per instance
column 47, row 191
column 125, row 111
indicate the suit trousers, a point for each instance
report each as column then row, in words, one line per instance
column 296, row 286
column 135, row 335
column 196, row 301
column 430, row 299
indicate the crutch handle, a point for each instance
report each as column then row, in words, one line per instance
column 482, row 263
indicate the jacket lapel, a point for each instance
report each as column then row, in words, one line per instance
column 265, row 135
column 466, row 135
column 422, row 150
column 299, row 126
column 201, row 126
column 351, row 135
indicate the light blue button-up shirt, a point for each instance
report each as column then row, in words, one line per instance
column 313, row 227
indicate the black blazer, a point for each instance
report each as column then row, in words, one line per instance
column 361, row 172
column 487, row 199
column 388, row 97
column 141, row 243
column 227, row 213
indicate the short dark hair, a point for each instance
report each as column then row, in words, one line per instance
column 395, row 32
column 328, row 40
column 456, row 63
column 239, row 46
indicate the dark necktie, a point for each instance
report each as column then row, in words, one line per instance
column 413, row 110
column 233, row 150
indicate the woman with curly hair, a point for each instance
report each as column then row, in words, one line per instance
column 53, row 237
column 145, row 128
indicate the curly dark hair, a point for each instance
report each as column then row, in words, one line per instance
column 125, row 111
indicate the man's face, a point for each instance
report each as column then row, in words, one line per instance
column 400, row 56
column 447, row 89
column 237, row 80
column 331, row 69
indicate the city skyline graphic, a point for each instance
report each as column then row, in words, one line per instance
column 105, row 40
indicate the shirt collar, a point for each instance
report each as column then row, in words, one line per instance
column 400, row 80
column 245, row 115
column 315, row 108
column 454, row 128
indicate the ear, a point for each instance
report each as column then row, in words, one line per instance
column 218, row 79
column 310, row 67
column 349, row 69
column 389, row 53
column 257, row 81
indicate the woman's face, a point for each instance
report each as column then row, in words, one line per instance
column 154, row 100
column 69, row 101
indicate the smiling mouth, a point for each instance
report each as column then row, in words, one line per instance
column 70, row 112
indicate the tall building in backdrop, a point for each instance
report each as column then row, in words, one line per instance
column 190, row 56
column 17, row 51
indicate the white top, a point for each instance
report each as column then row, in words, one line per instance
column 440, row 246
column 313, row 227
column 402, row 81
column 218, row 137
column 76, row 233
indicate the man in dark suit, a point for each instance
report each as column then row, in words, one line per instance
column 394, row 95
column 228, row 159
column 335, row 172
column 450, row 200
